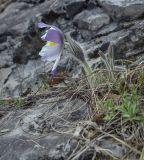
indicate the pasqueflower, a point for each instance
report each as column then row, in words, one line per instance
column 52, row 51
column 54, row 44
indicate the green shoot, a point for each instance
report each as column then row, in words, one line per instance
column 108, row 60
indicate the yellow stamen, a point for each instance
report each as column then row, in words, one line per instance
column 51, row 44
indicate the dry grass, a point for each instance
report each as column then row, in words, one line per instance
column 95, row 128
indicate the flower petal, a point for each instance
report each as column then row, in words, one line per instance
column 55, row 64
column 49, row 53
column 53, row 49
column 53, row 35
column 43, row 25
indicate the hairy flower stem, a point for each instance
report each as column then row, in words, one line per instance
column 78, row 53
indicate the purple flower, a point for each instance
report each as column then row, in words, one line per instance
column 54, row 44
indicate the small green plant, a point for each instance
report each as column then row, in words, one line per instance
column 18, row 102
column 130, row 106
column 110, row 109
column 2, row 102
column 141, row 78
column 108, row 60
column 44, row 79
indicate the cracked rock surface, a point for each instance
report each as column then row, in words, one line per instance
column 33, row 133
column 94, row 24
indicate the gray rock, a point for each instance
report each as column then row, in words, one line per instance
column 22, row 77
column 17, row 39
column 91, row 4
column 101, row 43
column 91, row 20
column 14, row 82
column 117, row 150
column 124, row 10
column 4, row 4
column 68, row 7
column 24, row 148
column 112, row 27
column 31, row 133
column 73, row 7
column 132, row 41
column 31, row 1
column 4, row 74
column 58, row 8
column 28, row 134
column 20, row 40
column 88, row 35
column 127, row 43
column 6, row 59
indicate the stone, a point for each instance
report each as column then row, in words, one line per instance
column 29, row 134
column 19, row 42
column 32, row 131
column 70, row 8
column 132, row 41
column 31, row 1
column 22, row 77
column 117, row 150
column 4, row 4
column 112, row 27
column 123, row 10
column 4, row 74
column 6, row 59
column 102, row 42
column 14, row 82
column 73, row 7
column 91, row 19
column 58, row 8
column 91, row 26
column 92, row 4
column 127, row 43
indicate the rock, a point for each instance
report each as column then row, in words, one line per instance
column 50, row 147
column 31, row 1
column 15, row 7
column 102, row 42
column 4, row 73
column 23, row 50
column 22, row 77
column 91, row 4
column 14, row 82
column 6, row 58
column 127, row 43
column 131, row 42
column 73, row 7
column 4, row 4
column 88, row 35
column 112, row 27
column 91, row 20
column 90, row 25
column 117, row 150
column 123, row 10
column 58, row 8
column 19, row 41
column 34, row 133
column 68, row 7
column 29, row 134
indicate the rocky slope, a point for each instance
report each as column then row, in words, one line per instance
column 93, row 23
column 43, row 131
